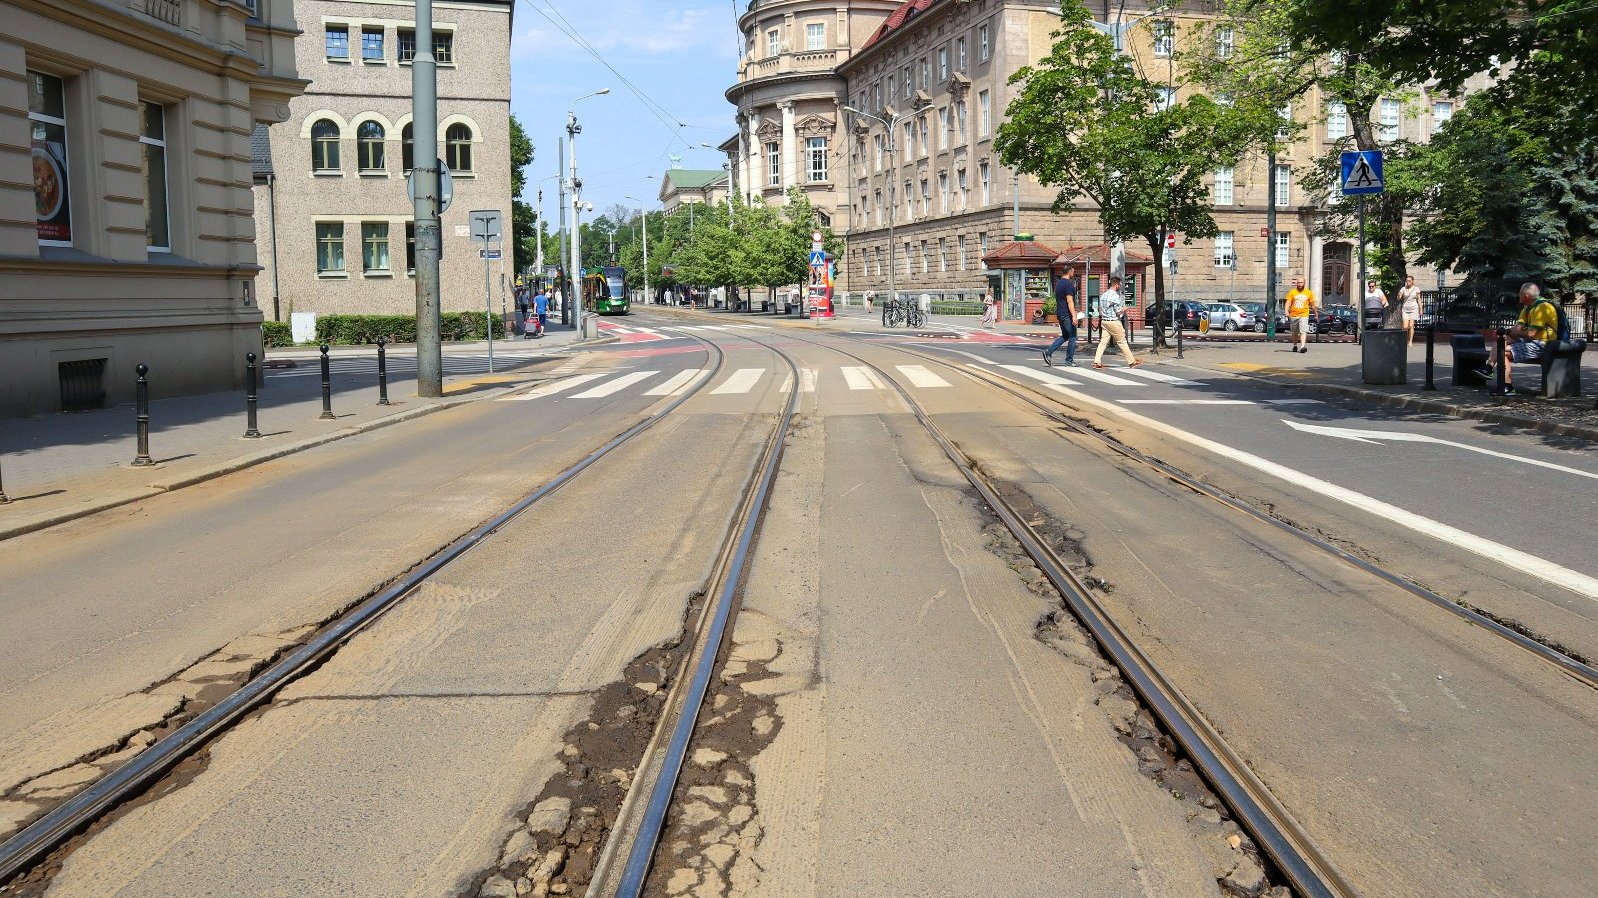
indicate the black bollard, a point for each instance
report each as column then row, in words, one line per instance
column 251, row 431
column 327, row 387
column 1181, row 325
column 1431, row 354
column 1498, row 364
column 382, row 371
column 4, row 499
column 141, row 407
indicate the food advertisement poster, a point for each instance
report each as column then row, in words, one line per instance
column 50, row 182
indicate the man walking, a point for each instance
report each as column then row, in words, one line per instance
column 1301, row 303
column 1111, row 306
column 1065, row 293
column 541, row 310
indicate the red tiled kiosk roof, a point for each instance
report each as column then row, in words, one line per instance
column 1021, row 254
column 906, row 9
column 1098, row 253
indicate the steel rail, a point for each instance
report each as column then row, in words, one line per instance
column 641, row 850
column 1277, row 832
column 66, row 819
column 1582, row 671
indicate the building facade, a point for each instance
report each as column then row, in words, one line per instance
column 679, row 186
column 335, row 218
column 126, row 230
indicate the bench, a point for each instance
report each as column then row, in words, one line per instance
column 1561, row 364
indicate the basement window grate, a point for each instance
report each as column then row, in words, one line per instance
column 82, row 384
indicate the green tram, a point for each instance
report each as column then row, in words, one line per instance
column 605, row 290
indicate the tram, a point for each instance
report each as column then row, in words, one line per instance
column 605, row 290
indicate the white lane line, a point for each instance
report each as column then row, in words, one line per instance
column 921, row 377
column 1053, row 380
column 617, row 385
column 970, row 355
column 741, row 381
column 551, row 389
column 677, row 383
column 1103, row 378
column 1294, row 402
column 1162, row 377
column 807, row 380
column 757, row 327
column 1185, row 401
column 1376, row 436
column 646, row 330
column 1506, row 556
column 859, row 378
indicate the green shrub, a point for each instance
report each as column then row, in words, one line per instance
column 956, row 308
column 276, row 334
column 357, row 330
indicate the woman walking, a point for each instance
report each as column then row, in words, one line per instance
column 990, row 310
column 1409, row 298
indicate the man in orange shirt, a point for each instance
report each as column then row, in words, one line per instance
column 1301, row 303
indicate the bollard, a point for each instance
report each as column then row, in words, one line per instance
column 1431, row 351
column 327, row 387
column 141, row 406
column 382, row 371
column 1181, row 325
column 251, row 431
column 4, row 499
column 1498, row 364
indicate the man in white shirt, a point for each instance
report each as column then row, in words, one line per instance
column 1111, row 305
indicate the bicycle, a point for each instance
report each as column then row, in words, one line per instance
column 915, row 318
column 893, row 313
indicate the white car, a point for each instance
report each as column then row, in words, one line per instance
column 1228, row 316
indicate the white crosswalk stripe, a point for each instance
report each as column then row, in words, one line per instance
column 921, row 377
column 741, row 381
column 615, row 385
column 1185, row 401
column 1160, row 376
column 1101, row 377
column 1053, row 380
column 676, row 383
column 807, row 380
column 861, row 378
column 558, row 386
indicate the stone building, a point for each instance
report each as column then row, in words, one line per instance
column 699, row 186
column 336, row 198
column 940, row 70
column 125, row 211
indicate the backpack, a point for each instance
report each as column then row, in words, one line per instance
column 1562, row 328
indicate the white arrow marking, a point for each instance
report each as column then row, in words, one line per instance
column 1374, row 436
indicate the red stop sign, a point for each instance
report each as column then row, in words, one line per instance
column 1170, row 241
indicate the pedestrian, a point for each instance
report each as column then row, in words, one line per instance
column 1409, row 300
column 1111, row 305
column 541, row 310
column 1538, row 323
column 1375, row 301
column 990, row 310
column 870, row 296
column 1065, row 310
column 1301, row 303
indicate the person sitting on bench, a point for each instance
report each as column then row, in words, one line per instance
column 1538, row 323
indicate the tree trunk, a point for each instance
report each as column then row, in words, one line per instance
column 1161, row 313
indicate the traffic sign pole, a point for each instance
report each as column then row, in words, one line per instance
column 425, row 208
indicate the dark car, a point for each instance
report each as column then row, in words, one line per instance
column 1187, row 312
column 1337, row 320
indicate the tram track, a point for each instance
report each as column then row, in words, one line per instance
column 50, row 832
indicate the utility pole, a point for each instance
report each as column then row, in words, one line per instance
column 565, row 264
column 538, row 235
column 643, row 215
column 572, row 130
column 1270, row 244
column 425, row 210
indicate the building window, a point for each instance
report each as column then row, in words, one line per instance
column 372, row 44
column 943, row 254
column 959, row 55
column 1223, row 249
column 984, row 114
column 959, row 245
column 816, row 159
column 1164, row 98
column 909, row 83
column 909, row 139
column 458, row 148
column 943, row 127
column 410, row 247
column 1284, row 186
column 984, row 47
column 815, row 37
column 965, row 190
column 907, row 269
column 773, row 166
column 324, row 146
column 1223, row 186
column 926, row 80
column 909, row 205
column 1283, row 245
column 47, row 118
column 982, row 247
column 444, row 47
column 1442, row 111
column 943, row 192
column 407, row 149
column 369, row 146
column 1285, row 115
column 926, row 198
column 152, row 134
column 986, row 184
column 926, row 258
column 374, row 247
column 773, row 43
column 877, row 144
column 943, row 64
column 338, row 42
column 1336, row 121
column 959, row 122
column 878, row 254
column 329, row 247
column 1164, row 31
column 1389, row 120
column 406, row 46
column 926, row 145
column 1224, row 38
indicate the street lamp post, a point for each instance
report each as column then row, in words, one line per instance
column 644, row 215
column 889, row 123
column 574, row 273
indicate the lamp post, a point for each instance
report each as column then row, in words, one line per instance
column 889, row 123
column 644, row 215
column 574, row 273
column 538, row 227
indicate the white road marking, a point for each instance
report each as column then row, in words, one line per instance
column 617, row 385
column 807, row 380
column 1053, row 380
column 1294, row 402
column 787, row 383
column 971, row 355
column 677, row 383
column 558, row 386
column 1509, row 557
column 859, row 378
column 921, row 377
column 576, row 361
column 1101, row 377
column 1185, row 401
column 741, row 381
column 1162, row 377
column 757, row 327
column 1373, row 436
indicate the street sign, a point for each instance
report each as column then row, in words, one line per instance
column 485, row 225
column 446, row 185
column 1170, row 241
column 1265, row 232
column 1362, row 173
column 494, row 255
column 818, row 257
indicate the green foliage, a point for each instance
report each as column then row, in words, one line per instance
column 276, row 334
column 521, row 156
column 958, row 308
column 358, row 330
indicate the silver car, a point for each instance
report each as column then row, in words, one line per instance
column 1229, row 316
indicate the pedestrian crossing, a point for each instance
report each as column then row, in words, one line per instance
column 405, row 365
column 569, row 384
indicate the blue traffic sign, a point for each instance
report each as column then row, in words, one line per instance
column 1362, row 173
column 818, row 257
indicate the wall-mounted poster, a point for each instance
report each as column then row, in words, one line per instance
column 51, row 199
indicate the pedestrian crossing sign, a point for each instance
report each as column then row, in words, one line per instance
column 1362, row 173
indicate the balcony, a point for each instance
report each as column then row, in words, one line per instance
column 790, row 62
column 168, row 11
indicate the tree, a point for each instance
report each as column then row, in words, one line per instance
column 522, row 218
column 1087, row 123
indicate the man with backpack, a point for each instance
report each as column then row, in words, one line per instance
column 1539, row 322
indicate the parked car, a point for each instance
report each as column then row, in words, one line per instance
column 1336, row 320
column 1230, row 316
column 1187, row 312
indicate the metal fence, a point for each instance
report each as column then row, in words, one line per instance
column 939, row 302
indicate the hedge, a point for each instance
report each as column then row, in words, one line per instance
column 956, row 308
column 276, row 334
column 357, row 330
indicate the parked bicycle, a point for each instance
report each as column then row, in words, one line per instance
column 899, row 311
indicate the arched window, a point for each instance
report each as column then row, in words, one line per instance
column 406, row 148
column 369, row 146
column 458, row 148
column 324, row 146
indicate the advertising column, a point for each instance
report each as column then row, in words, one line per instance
column 820, row 292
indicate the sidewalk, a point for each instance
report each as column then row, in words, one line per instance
column 63, row 466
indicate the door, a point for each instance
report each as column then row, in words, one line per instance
column 1336, row 268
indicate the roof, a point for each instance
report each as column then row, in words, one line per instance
column 1021, row 254
column 1097, row 253
column 906, row 11
column 695, row 178
column 260, row 152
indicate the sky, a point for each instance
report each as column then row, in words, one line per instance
column 680, row 54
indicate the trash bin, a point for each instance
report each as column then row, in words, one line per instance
column 1384, row 357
